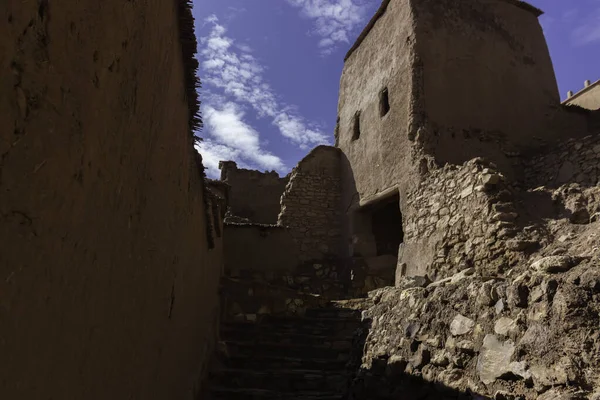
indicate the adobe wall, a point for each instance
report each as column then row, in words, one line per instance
column 488, row 85
column 108, row 287
column 259, row 247
column 254, row 195
column 381, row 158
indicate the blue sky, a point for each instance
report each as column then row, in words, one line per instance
column 270, row 70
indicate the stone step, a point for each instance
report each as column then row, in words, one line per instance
column 249, row 394
column 271, row 362
column 281, row 380
column 293, row 350
column 304, row 326
column 336, row 342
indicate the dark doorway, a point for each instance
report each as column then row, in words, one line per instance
column 386, row 225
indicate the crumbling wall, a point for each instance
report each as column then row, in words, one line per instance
column 311, row 205
column 253, row 194
column 457, row 218
column 575, row 160
column 108, row 288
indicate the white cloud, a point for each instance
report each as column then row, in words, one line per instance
column 335, row 21
column 235, row 82
column 588, row 30
column 235, row 137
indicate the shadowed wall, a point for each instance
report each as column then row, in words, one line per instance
column 108, row 287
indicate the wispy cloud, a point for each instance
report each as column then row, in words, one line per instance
column 588, row 29
column 335, row 21
column 236, row 84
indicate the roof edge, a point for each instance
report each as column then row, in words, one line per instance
column 526, row 6
column 189, row 48
column 582, row 91
column 367, row 29
column 383, row 7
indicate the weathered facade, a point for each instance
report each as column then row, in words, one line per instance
column 421, row 89
column 110, row 262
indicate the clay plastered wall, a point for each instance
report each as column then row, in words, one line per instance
column 459, row 217
column 576, row 161
column 589, row 98
column 107, row 288
column 311, row 204
column 253, row 194
column 259, row 247
column 488, row 80
column 381, row 157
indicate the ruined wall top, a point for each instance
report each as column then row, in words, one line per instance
column 252, row 194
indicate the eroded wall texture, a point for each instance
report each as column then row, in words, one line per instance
column 381, row 156
column 108, row 287
column 488, row 85
column 430, row 83
column 253, row 194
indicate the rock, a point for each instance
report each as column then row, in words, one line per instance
column 504, row 326
column 566, row 172
column 521, row 245
column 487, row 295
column 517, row 295
column 465, row 346
column 558, row 374
column 501, row 395
column 499, row 306
column 561, row 394
column 395, row 365
column 554, row 264
column 519, row 369
column 504, row 216
column 461, row 325
column 451, row 378
column 421, row 358
column 494, row 359
column 441, row 359
column 413, row 281
column 490, row 179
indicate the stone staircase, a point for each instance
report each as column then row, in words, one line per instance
column 308, row 357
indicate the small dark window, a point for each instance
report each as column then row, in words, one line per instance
column 384, row 102
column 356, row 132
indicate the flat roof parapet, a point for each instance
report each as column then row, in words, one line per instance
column 587, row 87
column 382, row 9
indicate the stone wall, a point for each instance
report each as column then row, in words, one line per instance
column 311, row 205
column 253, row 195
column 459, row 217
column 575, row 160
column 108, row 288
